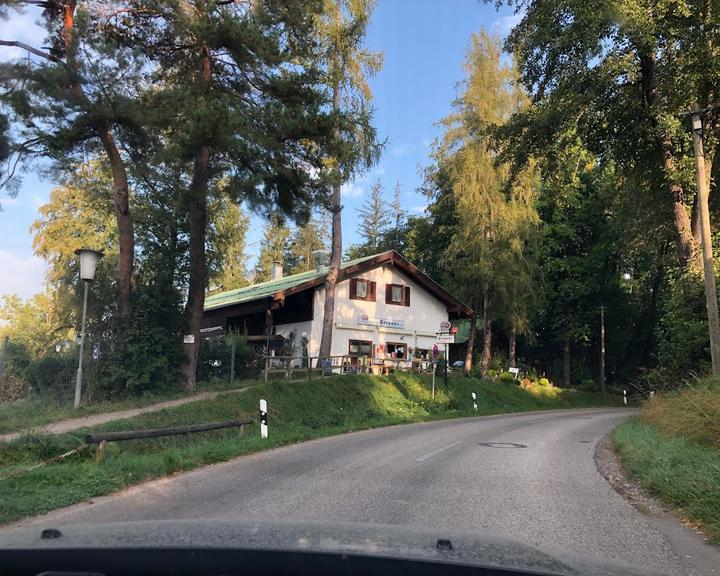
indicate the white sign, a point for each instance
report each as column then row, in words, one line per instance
column 211, row 329
column 189, row 339
column 445, row 338
column 515, row 371
column 383, row 322
column 263, row 418
column 445, row 326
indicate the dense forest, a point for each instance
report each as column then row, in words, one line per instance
column 561, row 193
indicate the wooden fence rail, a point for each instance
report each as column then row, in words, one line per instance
column 101, row 438
column 286, row 365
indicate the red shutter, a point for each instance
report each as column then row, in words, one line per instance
column 407, row 296
column 371, row 291
column 353, row 288
column 388, row 293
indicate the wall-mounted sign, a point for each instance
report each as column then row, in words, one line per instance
column 189, row 339
column 384, row 322
column 445, row 326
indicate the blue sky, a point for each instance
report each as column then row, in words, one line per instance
column 424, row 43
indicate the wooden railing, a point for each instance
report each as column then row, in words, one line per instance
column 320, row 366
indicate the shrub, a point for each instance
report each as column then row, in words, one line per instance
column 544, row 382
column 507, row 377
column 526, row 383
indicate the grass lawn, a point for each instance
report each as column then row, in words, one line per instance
column 27, row 414
column 673, row 450
column 297, row 411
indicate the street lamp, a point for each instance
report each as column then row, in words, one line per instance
column 88, row 263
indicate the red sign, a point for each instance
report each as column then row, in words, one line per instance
column 454, row 330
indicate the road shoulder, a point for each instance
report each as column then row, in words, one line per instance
column 686, row 540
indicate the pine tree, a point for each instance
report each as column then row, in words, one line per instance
column 228, row 227
column 374, row 219
column 275, row 243
column 231, row 75
column 395, row 236
column 304, row 240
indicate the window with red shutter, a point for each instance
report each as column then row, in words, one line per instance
column 397, row 294
column 407, row 296
column 362, row 289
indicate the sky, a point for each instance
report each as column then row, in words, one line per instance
column 424, row 43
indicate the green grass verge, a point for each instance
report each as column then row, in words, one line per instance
column 680, row 471
column 297, row 411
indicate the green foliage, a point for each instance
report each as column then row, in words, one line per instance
column 374, row 222
column 274, row 247
column 298, row 252
column 507, row 377
column 544, row 382
column 683, row 343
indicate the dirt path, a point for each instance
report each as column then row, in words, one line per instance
column 71, row 424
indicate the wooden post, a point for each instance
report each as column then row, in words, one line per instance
column 232, row 358
column 100, row 453
column 602, row 349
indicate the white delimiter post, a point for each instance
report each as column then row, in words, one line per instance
column 263, row 419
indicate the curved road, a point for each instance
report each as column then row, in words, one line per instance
column 541, row 488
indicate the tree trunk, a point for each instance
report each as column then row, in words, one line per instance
column 198, row 230
column 566, row 363
column 689, row 255
column 470, row 346
column 335, row 256
column 487, row 335
column 126, row 233
column 512, row 346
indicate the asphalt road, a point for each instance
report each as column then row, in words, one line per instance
column 541, row 488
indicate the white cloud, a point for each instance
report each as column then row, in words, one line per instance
column 22, row 27
column 21, row 276
column 504, row 25
column 418, row 209
column 426, row 142
column 8, row 201
column 38, row 201
column 351, row 190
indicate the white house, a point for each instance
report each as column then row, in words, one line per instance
column 385, row 307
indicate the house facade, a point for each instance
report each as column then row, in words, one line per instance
column 385, row 308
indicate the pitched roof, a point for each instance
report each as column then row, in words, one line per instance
column 269, row 288
column 278, row 289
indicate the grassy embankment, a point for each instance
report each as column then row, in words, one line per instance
column 297, row 411
column 673, row 450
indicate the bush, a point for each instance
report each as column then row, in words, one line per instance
column 216, row 356
column 544, row 382
column 507, row 377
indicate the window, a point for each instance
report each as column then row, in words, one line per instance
column 362, row 289
column 396, row 350
column 360, row 348
column 397, row 294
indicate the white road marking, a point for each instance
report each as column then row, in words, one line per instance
column 431, row 454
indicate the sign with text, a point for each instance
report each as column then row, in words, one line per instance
column 514, row 371
column 382, row 322
column 445, row 326
column 189, row 339
column 445, row 338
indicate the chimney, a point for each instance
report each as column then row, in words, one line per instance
column 277, row 271
column 321, row 259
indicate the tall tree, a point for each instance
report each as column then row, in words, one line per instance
column 304, row 240
column 228, row 227
column 374, row 219
column 396, row 233
column 71, row 99
column 248, row 104
column 342, row 29
column 495, row 213
column 274, row 247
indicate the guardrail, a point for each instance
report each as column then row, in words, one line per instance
column 101, row 438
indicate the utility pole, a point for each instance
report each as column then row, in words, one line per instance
column 706, row 240
column 602, row 349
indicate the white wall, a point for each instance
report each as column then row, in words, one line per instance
column 423, row 316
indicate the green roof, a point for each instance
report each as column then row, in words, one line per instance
column 267, row 289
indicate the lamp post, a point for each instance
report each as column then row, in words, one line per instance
column 88, row 262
